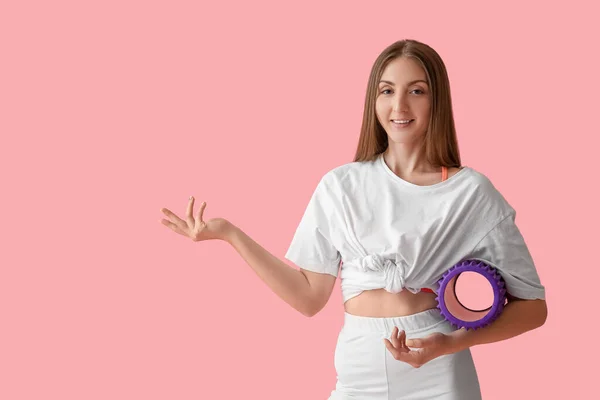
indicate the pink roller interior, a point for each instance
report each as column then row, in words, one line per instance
column 474, row 292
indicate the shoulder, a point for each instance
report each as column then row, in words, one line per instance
column 484, row 190
column 344, row 180
column 452, row 171
column 341, row 173
column 481, row 181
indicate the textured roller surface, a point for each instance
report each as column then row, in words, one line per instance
column 463, row 317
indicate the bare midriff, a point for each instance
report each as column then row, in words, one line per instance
column 383, row 304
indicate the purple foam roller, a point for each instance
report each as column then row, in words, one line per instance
column 454, row 311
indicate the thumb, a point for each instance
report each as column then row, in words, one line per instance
column 418, row 343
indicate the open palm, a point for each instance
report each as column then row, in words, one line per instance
column 195, row 227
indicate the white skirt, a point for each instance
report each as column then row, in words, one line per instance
column 367, row 370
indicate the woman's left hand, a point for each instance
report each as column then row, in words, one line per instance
column 430, row 347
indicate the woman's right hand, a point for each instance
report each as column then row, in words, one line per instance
column 195, row 227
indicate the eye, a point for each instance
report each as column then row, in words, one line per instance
column 415, row 90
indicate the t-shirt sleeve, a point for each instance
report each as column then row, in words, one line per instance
column 504, row 248
column 311, row 246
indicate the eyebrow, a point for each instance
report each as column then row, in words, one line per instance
column 409, row 83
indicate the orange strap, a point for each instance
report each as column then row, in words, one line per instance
column 444, row 177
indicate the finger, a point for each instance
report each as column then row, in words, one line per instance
column 173, row 226
column 396, row 348
column 402, row 339
column 178, row 221
column 401, row 355
column 201, row 212
column 394, row 338
column 395, row 352
column 190, row 212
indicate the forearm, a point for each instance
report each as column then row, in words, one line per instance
column 518, row 316
column 287, row 282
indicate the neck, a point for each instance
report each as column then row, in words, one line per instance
column 406, row 161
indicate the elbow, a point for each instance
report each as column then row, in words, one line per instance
column 309, row 313
column 535, row 309
column 311, row 310
column 543, row 312
column 540, row 312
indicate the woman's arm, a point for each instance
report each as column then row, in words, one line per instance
column 307, row 296
column 518, row 316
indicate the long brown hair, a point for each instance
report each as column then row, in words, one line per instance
column 441, row 145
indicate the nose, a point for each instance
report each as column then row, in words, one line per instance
column 400, row 103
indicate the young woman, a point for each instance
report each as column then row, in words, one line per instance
column 396, row 218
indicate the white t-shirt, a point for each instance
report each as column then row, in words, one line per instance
column 392, row 234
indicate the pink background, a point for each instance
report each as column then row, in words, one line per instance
column 111, row 110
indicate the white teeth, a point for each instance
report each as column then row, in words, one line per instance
column 401, row 121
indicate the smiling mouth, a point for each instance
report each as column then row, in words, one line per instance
column 396, row 122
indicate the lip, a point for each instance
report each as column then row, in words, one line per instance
column 396, row 126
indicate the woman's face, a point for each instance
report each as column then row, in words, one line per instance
column 403, row 94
